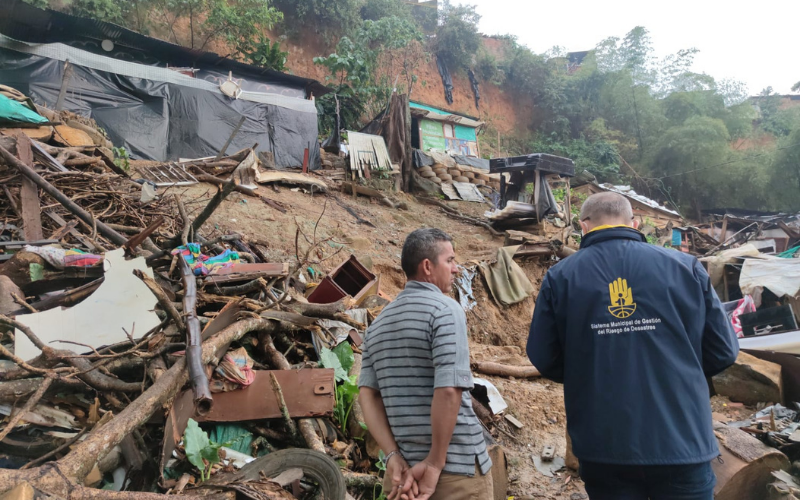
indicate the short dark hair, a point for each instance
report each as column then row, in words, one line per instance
column 420, row 245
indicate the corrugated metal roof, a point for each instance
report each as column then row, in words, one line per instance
column 24, row 22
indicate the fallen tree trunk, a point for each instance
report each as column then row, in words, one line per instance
column 194, row 343
column 373, row 193
column 746, row 466
column 502, row 370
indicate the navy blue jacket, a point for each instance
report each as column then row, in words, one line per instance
column 632, row 330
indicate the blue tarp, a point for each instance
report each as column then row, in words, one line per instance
column 13, row 112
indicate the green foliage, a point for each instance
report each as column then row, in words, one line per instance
column 796, row 87
column 200, row 451
column 686, row 155
column 775, row 120
column 488, row 69
column 331, row 18
column 102, row 10
column 341, row 359
column 599, row 158
column 41, row 4
column 122, row 158
column 239, row 23
column 366, row 68
column 266, row 54
column 785, row 174
column 373, row 10
column 457, row 37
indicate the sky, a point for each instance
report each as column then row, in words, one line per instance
column 757, row 43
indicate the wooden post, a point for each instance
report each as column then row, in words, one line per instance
column 29, row 193
column 305, row 161
column 408, row 160
column 722, row 236
column 568, row 204
column 230, row 139
column 64, row 84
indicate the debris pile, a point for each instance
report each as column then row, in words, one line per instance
column 112, row 301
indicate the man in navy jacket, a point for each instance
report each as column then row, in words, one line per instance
column 632, row 330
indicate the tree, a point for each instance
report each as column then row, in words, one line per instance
column 785, row 174
column 330, row 18
column 457, row 38
column 102, row 10
column 40, row 4
column 689, row 159
column 366, row 69
column 796, row 87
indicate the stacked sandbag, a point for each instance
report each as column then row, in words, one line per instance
column 428, row 173
column 477, row 176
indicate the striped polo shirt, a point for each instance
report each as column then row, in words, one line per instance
column 419, row 343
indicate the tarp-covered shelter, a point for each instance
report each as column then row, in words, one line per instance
column 159, row 100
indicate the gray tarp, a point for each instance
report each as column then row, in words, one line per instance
column 163, row 120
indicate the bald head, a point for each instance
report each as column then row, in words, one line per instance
column 607, row 208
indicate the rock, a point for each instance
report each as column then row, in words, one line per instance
column 7, row 290
column 750, row 381
column 359, row 243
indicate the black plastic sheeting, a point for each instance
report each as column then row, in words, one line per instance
column 475, row 90
column 472, row 161
column 421, row 159
column 446, row 80
column 163, row 121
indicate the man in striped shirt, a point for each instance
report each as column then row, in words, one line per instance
column 415, row 381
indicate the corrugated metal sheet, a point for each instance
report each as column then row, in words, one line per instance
column 368, row 148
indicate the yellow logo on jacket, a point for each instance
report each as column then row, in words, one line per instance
column 622, row 304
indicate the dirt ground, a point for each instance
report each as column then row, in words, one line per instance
column 497, row 334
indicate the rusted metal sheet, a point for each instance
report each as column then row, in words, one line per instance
column 308, row 393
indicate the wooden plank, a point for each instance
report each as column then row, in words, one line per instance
column 48, row 160
column 73, row 232
column 29, row 193
column 246, row 272
column 65, row 78
column 138, row 239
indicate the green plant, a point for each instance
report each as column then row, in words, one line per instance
column 457, row 37
column 341, row 359
column 201, row 451
column 331, row 18
column 122, row 158
column 381, row 466
column 41, row 4
column 266, row 54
